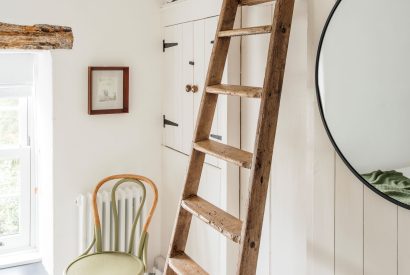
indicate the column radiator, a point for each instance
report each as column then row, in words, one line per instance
column 128, row 200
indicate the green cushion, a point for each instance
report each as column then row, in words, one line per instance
column 106, row 263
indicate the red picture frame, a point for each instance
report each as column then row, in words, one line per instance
column 105, row 90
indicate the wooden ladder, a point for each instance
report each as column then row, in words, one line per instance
column 248, row 232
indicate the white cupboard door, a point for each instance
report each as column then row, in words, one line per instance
column 186, row 96
column 204, row 34
column 204, row 242
column 200, row 63
column 172, row 72
column 210, row 30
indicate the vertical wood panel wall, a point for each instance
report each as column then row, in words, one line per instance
column 348, row 222
column 283, row 247
column 320, row 219
column 353, row 230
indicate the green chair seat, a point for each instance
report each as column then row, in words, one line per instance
column 106, row 263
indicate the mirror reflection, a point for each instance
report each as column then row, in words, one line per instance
column 363, row 81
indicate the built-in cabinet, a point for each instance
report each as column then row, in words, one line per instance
column 187, row 48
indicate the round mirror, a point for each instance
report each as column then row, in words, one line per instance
column 363, row 89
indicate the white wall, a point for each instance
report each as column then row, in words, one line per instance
column 352, row 230
column 87, row 148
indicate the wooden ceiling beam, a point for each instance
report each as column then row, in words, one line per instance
column 37, row 37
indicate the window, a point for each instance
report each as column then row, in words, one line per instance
column 16, row 202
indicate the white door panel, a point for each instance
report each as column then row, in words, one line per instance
column 200, row 63
column 210, row 29
column 204, row 35
column 186, row 107
column 172, row 136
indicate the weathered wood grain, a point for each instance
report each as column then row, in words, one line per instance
column 235, row 90
column 253, row 2
column 225, row 152
column 246, row 31
column 221, row 221
column 36, row 37
column 182, row 264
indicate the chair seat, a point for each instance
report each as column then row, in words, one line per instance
column 106, row 263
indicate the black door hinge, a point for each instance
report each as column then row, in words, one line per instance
column 168, row 122
column 167, row 45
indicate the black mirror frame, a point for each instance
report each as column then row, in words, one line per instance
column 322, row 115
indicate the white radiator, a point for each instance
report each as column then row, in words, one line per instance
column 128, row 201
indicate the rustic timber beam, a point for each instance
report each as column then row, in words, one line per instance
column 37, row 37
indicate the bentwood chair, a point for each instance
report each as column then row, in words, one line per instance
column 116, row 262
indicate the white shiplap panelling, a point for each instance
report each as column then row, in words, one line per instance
column 253, row 59
column 348, row 222
column 283, row 246
column 321, row 240
column 370, row 235
column 380, row 235
column 403, row 241
column 291, row 175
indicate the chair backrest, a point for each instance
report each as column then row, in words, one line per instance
column 123, row 178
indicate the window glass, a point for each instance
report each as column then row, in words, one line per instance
column 9, row 121
column 9, row 102
column 10, row 188
column 14, row 173
column 18, row 215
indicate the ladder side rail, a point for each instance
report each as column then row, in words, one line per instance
column 265, row 137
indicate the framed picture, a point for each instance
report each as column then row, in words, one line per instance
column 108, row 90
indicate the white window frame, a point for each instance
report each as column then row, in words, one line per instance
column 25, row 239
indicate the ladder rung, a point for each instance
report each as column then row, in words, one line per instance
column 253, row 2
column 246, row 31
column 182, row 264
column 225, row 152
column 244, row 91
column 222, row 221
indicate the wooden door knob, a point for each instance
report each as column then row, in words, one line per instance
column 194, row 88
column 188, row 88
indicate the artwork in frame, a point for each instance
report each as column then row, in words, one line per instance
column 108, row 90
